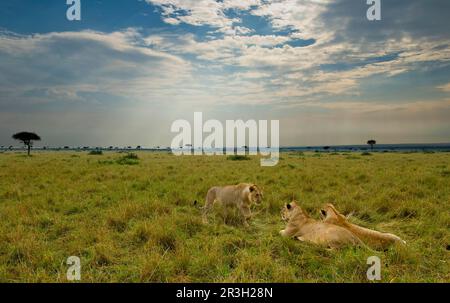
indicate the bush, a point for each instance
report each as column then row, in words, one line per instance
column 238, row 158
column 129, row 159
column 131, row 156
column 428, row 152
column 366, row 154
column 95, row 153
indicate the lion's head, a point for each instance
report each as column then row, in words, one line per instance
column 292, row 210
column 331, row 215
column 255, row 194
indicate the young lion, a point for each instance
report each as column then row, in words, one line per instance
column 372, row 238
column 240, row 196
column 305, row 228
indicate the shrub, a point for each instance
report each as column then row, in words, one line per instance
column 129, row 159
column 238, row 158
column 95, row 153
column 445, row 173
column 131, row 156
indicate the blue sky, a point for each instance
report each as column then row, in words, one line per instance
column 129, row 68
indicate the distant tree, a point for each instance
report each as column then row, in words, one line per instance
column 246, row 149
column 138, row 147
column 326, row 147
column 27, row 139
column 371, row 143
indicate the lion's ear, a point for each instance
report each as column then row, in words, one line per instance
column 323, row 212
column 252, row 188
column 288, row 206
column 333, row 209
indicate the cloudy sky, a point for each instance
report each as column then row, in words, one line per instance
column 129, row 68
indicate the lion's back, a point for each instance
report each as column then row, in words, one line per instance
column 331, row 235
column 229, row 194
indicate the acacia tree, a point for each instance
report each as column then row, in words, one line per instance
column 371, row 143
column 27, row 139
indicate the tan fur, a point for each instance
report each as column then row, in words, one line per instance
column 373, row 238
column 304, row 228
column 240, row 196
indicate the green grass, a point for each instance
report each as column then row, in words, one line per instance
column 132, row 223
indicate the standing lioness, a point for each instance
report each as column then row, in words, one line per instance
column 304, row 228
column 240, row 196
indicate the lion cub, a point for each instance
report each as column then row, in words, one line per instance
column 240, row 196
column 372, row 238
column 305, row 228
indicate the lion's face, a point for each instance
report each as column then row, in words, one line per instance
column 289, row 210
column 255, row 195
column 331, row 215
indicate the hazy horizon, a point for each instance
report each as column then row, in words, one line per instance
column 41, row 144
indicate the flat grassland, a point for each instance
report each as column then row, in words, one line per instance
column 132, row 220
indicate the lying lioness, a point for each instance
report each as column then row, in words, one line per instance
column 240, row 196
column 305, row 228
column 372, row 238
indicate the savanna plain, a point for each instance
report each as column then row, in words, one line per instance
column 132, row 218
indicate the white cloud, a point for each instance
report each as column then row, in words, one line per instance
column 299, row 15
column 203, row 12
column 296, row 70
column 381, row 106
column 62, row 66
column 445, row 87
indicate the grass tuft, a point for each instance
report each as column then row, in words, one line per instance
column 96, row 153
column 238, row 158
column 128, row 159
